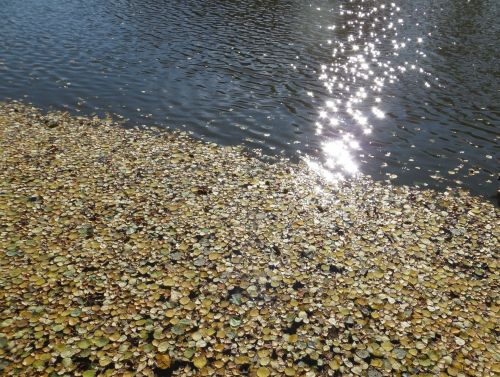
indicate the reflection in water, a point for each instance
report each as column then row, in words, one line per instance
column 365, row 46
column 379, row 50
column 405, row 90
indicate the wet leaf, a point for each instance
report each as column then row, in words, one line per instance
column 123, row 249
column 163, row 347
column 163, row 361
column 263, row 372
column 234, row 322
column 199, row 361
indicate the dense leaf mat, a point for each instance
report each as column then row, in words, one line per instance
column 140, row 252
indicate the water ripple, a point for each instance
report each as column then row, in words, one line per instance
column 400, row 90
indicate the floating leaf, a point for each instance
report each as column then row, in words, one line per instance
column 188, row 353
column 112, row 259
column 263, row 372
column 163, row 361
column 199, row 361
column 179, row 329
column 101, row 341
column 399, row 353
column 76, row 312
column 235, row 322
column 58, row 328
column 163, row 347
column 83, row 344
column 104, row 361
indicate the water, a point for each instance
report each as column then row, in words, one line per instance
column 400, row 90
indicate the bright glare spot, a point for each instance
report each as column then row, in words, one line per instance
column 338, row 155
column 325, row 173
column 334, row 121
column 360, row 118
column 378, row 113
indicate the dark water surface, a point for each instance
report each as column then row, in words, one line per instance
column 401, row 90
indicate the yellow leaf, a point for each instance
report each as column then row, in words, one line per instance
column 200, row 361
column 163, row 361
column 263, row 372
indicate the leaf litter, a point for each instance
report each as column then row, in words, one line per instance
column 141, row 252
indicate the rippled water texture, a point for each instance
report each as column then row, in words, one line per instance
column 403, row 90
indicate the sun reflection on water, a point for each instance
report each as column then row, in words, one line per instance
column 365, row 46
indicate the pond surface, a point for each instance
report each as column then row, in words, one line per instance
column 400, row 90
